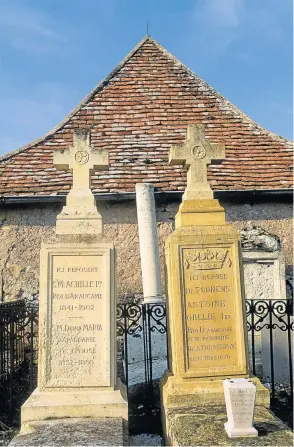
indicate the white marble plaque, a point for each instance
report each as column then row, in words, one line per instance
column 240, row 401
column 76, row 329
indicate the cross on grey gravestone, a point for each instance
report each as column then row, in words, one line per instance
column 81, row 159
column 195, row 154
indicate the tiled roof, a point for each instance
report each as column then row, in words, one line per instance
column 137, row 113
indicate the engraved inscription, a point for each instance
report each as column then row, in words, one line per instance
column 211, row 338
column 242, row 402
column 78, row 329
column 205, row 259
column 198, row 151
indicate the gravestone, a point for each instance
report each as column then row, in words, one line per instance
column 265, row 279
column 77, row 320
column 206, row 316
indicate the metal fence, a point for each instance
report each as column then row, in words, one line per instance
column 18, row 355
column 142, row 348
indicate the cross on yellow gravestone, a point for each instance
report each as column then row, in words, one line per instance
column 81, row 159
column 195, row 154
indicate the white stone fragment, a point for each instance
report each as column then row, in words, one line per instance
column 240, row 401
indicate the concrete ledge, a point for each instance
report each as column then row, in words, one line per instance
column 73, row 432
column 205, row 427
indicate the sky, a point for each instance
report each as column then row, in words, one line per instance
column 54, row 52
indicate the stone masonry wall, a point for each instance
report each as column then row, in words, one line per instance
column 23, row 228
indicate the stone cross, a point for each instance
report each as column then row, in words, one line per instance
column 80, row 214
column 81, row 159
column 195, row 154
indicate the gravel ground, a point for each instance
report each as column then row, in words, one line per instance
column 145, row 439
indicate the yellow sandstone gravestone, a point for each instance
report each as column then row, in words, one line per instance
column 206, row 323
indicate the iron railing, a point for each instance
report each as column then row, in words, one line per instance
column 18, row 354
column 142, row 348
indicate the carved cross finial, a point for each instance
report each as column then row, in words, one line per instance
column 195, row 154
column 81, row 159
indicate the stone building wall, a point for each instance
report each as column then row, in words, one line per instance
column 23, row 228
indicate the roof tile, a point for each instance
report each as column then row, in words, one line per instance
column 137, row 113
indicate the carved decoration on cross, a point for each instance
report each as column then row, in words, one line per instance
column 195, row 154
column 81, row 159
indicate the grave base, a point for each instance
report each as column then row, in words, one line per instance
column 88, row 432
column 67, row 224
column 91, row 403
column 204, row 426
column 240, row 432
column 178, row 392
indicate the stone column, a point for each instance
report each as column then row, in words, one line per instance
column 149, row 252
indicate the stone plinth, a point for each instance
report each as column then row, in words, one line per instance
column 80, row 215
column 73, row 432
column 77, row 335
column 205, row 427
column 91, row 403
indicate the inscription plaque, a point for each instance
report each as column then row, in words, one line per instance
column 77, row 320
column 211, row 317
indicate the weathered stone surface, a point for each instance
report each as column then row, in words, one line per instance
column 77, row 296
column 73, row 432
column 22, row 230
column 254, row 237
column 205, row 427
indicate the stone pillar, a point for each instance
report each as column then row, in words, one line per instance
column 149, row 252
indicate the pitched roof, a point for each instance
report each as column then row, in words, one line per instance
column 137, row 113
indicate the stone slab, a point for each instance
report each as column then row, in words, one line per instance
column 205, row 427
column 79, row 224
column 205, row 303
column 73, row 432
column 77, row 347
column 177, row 392
column 50, row 405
